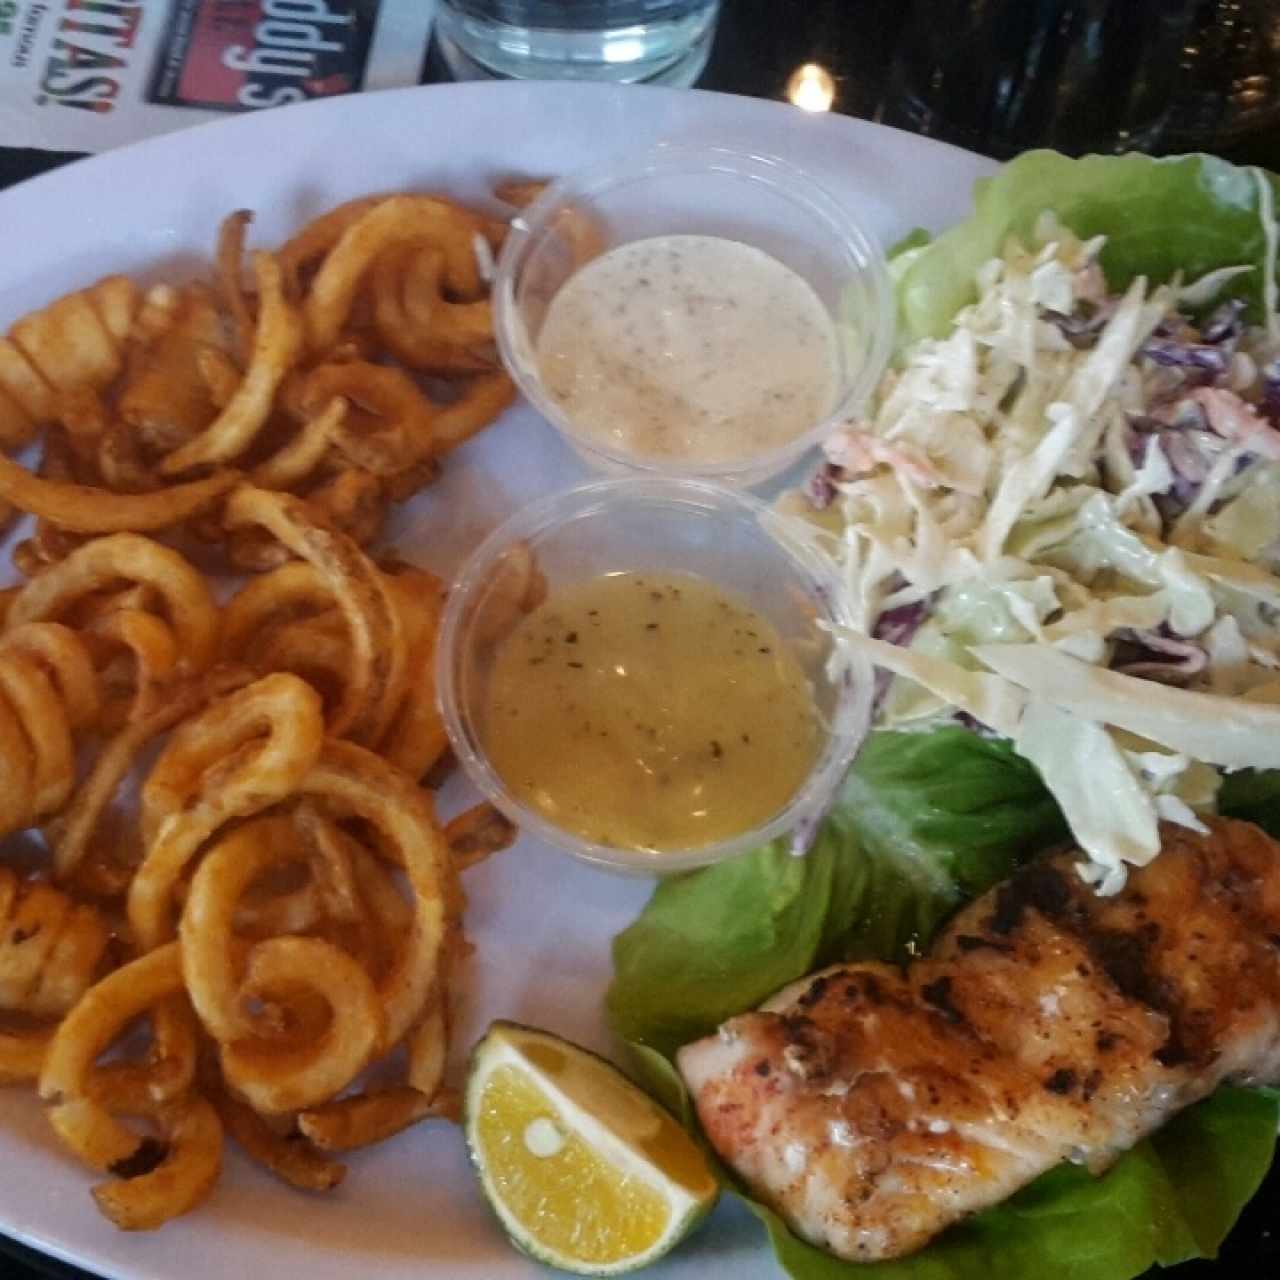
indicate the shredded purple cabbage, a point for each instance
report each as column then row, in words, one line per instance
column 1173, row 325
column 820, row 489
column 1186, row 460
column 1082, row 326
column 1205, row 354
column 1144, row 435
column 899, row 626
column 1226, row 324
column 1173, row 407
column 1188, row 463
column 1141, row 439
column 1173, row 354
column 1158, row 655
column 966, row 721
column 1188, row 467
column 1270, row 404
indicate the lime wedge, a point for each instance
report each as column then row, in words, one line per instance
column 585, row 1171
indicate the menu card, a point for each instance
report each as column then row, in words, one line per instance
column 87, row 75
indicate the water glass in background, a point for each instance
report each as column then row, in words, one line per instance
column 622, row 41
column 1000, row 76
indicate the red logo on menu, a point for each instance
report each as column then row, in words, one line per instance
column 241, row 55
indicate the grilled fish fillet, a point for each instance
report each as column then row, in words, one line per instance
column 872, row 1108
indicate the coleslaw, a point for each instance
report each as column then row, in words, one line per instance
column 1060, row 524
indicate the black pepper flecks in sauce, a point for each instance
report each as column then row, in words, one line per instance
column 654, row 727
column 694, row 347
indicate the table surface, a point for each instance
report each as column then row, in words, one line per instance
column 758, row 45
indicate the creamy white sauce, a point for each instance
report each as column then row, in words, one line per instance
column 690, row 347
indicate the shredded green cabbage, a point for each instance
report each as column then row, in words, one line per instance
column 1085, row 492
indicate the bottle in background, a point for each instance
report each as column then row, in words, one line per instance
column 622, row 41
column 1000, row 76
column 1230, row 82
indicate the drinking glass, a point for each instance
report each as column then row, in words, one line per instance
column 623, row 41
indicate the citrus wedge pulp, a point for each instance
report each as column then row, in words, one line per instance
column 583, row 1169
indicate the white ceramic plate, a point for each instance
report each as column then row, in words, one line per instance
column 541, row 922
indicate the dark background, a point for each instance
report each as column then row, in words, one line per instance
column 759, row 44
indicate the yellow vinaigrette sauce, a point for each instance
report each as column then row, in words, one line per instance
column 650, row 711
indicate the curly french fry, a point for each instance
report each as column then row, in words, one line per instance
column 165, row 1074
column 367, row 1118
column 289, row 908
column 229, row 264
column 129, row 557
column 296, row 1162
column 354, row 502
column 390, row 224
column 421, row 329
column 321, row 234
column 355, row 782
column 97, row 1020
column 17, row 427
column 483, row 399
column 285, row 594
column 277, row 344
column 216, row 767
column 51, row 947
column 314, row 648
column 210, row 962
column 276, row 1082
column 48, row 690
column 22, row 1051
column 75, row 341
column 295, row 461
column 379, row 669
column 389, row 422
column 478, row 833
column 416, row 738
column 166, row 401
column 85, row 509
column 73, row 834
column 181, row 1180
column 152, row 650
column 117, row 301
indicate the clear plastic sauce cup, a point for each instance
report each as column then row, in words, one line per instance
column 679, row 191
column 655, row 525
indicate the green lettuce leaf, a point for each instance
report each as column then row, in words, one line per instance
column 1167, row 1201
column 933, row 818
column 916, row 238
column 923, row 823
column 1253, row 794
column 1171, row 1199
column 1181, row 213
